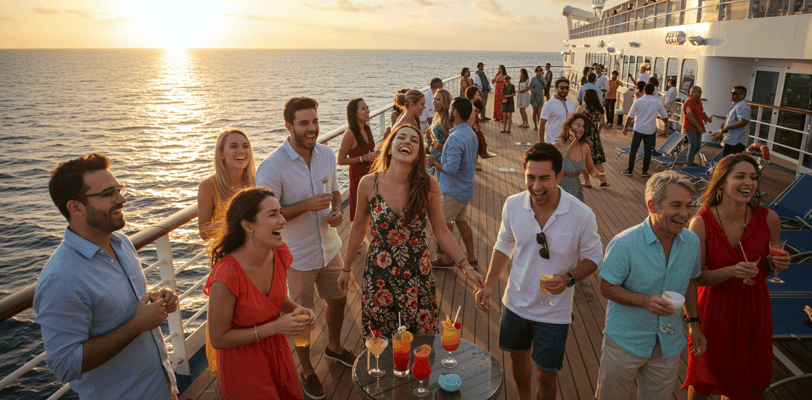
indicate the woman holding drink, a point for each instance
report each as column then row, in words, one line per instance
column 247, row 292
column 735, row 235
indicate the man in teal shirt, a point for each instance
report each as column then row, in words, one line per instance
column 640, row 264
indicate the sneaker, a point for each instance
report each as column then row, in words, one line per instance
column 627, row 172
column 485, row 119
column 345, row 357
column 311, row 386
column 645, row 174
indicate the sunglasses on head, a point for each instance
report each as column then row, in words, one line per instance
column 542, row 240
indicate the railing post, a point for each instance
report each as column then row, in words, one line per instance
column 178, row 358
column 381, row 124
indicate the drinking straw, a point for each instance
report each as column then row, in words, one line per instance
column 742, row 249
column 399, row 322
column 458, row 314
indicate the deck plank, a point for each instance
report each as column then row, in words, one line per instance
column 616, row 207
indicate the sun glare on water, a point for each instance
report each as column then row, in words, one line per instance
column 176, row 24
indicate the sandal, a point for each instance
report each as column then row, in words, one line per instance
column 502, row 132
column 438, row 263
column 586, row 186
column 605, row 184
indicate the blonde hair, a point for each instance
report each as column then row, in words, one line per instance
column 443, row 118
column 403, row 100
column 249, row 174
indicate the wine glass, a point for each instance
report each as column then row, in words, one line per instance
column 376, row 345
column 542, row 279
column 675, row 301
column 421, row 369
column 777, row 250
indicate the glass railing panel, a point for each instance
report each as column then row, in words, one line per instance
column 777, row 8
column 709, row 11
column 734, row 10
column 792, row 120
column 661, row 8
column 648, row 23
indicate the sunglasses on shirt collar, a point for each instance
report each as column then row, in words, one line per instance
column 542, row 240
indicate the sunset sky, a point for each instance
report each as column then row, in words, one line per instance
column 491, row 25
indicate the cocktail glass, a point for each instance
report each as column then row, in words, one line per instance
column 749, row 281
column 450, row 341
column 675, row 301
column 777, row 250
column 421, row 369
column 542, row 279
column 401, row 351
column 302, row 339
column 376, row 347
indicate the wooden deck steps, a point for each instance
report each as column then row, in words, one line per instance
column 617, row 207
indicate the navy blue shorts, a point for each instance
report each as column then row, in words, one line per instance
column 546, row 340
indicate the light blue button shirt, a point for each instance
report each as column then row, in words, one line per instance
column 635, row 260
column 739, row 111
column 83, row 293
column 459, row 163
column 312, row 241
column 588, row 86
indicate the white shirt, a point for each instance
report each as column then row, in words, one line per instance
column 645, row 111
column 312, row 241
column 477, row 80
column 556, row 113
column 428, row 111
column 603, row 83
column 644, row 77
column 572, row 234
column 670, row 97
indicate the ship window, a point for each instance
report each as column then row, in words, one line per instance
column 659, row 67
column 688, row 80
column 675, row 18
column 709, row 11
column 797, row 94
column 632, row 69
column 640, row 19
column 616, row 67
column 662, row 8
column 671, row 70
column 649, row 22
column 625, row 69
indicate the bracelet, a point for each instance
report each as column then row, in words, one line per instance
column 465, row 271
column 459, row 264
column 255, row 334
column 346, row 270
column 360, row 159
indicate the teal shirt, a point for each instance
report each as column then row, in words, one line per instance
column 635, row 260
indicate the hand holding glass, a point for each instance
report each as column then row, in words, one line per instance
column 675, row 301
column 777, row 250
column 542, row 279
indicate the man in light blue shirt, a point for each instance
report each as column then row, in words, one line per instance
column 100, row 326
column 736, row 128
column 641, row 263
column 589, row 85
column 457, row 171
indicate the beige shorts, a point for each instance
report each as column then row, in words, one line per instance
column 453, row 209
column 301, row 284
column 656, row 377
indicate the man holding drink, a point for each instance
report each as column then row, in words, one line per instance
column 646, row 271
column 553, row 239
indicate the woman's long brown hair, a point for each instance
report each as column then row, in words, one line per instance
column 720, row 173
column 245, row 205
column 361, row 138
column 419, row 181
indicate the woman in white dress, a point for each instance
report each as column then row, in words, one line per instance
column 523, row 96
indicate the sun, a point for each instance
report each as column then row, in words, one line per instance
column 175, row 24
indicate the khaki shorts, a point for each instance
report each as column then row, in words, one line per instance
column 656, row 377
column 453, row 209
column 324, row 280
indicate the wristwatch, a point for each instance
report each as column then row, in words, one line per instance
column 570, row 280
column 689, row 320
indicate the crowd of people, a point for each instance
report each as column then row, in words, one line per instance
column 274, row 247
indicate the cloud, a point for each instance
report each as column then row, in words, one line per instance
column 491, row 7
column 346, row 6
column 316, row 6
column 255, row 17
column 87, row 13
column 46, row 11
column 7, row 19
column 426, row 3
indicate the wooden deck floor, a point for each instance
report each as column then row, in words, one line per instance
column 616, row 207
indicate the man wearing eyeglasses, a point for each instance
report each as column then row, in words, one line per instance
column 546, row 231
column 736, row 129
column 555, row 112
column 100, row 326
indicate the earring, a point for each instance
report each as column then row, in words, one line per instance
column 719, row 195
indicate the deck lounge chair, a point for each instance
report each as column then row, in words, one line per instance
column 795, row 200
column 797, row 282
column 666, row 148
column 798, row 241
column 702, row 173
column 790, row 321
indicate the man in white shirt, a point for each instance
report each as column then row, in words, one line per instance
column 428, row 112
column 553, row 240
column 302, row 174
column 602, row 81
column 670, row 101
column 555, row 112
column 644, row 113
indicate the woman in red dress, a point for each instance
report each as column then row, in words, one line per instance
column 736, row 317
column 498, row 81
column 247, row 292
column 357, row 148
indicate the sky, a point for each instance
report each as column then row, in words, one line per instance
column 489, row 25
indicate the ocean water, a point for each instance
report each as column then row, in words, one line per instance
column 156, row 114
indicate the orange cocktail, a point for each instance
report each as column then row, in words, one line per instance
column 450, row 340
column 302, row 339
column 401, row 351
column 542, row 279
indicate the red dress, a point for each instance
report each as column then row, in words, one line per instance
column 736, row 318
column 357, row 171
column 497, row 99
column 264, row 369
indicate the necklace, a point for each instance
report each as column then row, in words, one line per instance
column 722, row 222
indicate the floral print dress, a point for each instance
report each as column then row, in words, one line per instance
column 398, row 278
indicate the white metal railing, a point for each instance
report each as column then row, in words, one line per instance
column 803, row 147
column 180, row 346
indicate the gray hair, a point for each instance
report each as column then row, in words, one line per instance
column 655, row 187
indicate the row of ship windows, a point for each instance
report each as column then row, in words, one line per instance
column 659, row 68
column 673, row 13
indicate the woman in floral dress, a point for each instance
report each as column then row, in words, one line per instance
column 396, row 200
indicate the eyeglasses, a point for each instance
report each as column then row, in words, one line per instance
column 542, row 240
column 735, row 94
column 562, row 87
column 111, row 194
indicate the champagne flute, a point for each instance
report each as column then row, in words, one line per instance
column 776, row 250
